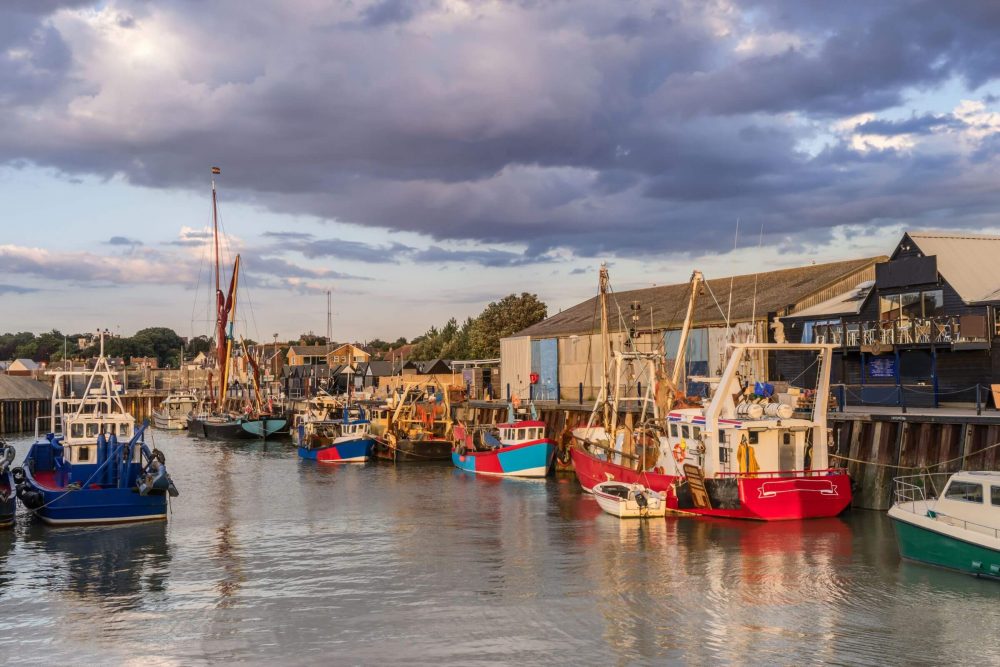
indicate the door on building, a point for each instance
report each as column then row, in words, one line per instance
column 545, row 362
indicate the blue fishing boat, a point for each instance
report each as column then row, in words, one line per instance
column 93, row 466
column 8, row 500
column 323, row 437
column 518, row 448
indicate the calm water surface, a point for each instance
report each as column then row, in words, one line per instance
column 268, row 558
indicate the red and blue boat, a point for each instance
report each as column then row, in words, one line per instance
column 513, row 449
column 93, row 466
column 328, row 440
column 8, row 499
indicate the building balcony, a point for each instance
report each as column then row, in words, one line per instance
column 964, row 331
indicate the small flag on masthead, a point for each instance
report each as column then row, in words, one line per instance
column 216, row 170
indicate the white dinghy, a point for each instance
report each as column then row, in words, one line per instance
column 629, row 501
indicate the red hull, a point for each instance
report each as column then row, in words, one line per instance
column 811, row 495
column 765, row 497
column 591, row 470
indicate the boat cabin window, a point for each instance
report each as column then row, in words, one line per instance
column 722, row 436
column 673, row 430
column 753, row 437
column 108, row 428
column 685, row 432
column 124, row 430
column 520, row 434
column 76, row 430
column 83, row 454
column 969, row 492
column 786, row 438
column 995, row 496
column 92, row 430
column 696, row 432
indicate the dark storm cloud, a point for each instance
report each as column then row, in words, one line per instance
column 924, row 124
column 123, row 241
column 602, row 128
column 16, row 289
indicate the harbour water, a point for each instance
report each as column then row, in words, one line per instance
column 267, row 558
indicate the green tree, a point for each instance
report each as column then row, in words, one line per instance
column 198, row 344
column 501, row 319
column 159, row 342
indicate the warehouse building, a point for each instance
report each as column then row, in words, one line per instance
column 561, row 356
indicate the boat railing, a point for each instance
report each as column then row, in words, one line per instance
column 785, row 474
column 914, row 491
column 39, row 421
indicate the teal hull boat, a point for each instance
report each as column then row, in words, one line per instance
column 264, row 427
column 958, row 529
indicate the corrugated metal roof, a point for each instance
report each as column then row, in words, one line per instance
column 848, row 303
column 13, row 388
column 775, row 291
column 967, row 261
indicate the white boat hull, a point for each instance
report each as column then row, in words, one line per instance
column 170, row 422
column 629, row 508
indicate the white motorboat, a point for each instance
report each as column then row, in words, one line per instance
column 629, row 501
column 958, row 528
column 174, row 411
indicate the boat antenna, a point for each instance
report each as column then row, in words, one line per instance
column 753, row 312
column 729, row 308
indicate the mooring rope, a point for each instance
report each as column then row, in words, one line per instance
column 925, row 467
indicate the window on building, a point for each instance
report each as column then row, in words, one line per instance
column 933, row 302
column 889, row 307
column 969, row 492
column 910, row 305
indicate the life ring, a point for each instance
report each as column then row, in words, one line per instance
column 679, row 450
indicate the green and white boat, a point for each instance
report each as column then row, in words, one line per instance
column 958, row 528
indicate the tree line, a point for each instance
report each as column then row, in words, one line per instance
column 479, row 337
column 476, row 338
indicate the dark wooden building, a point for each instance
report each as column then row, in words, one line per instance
column 923, row 333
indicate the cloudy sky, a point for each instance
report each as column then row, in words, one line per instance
column 422, row 157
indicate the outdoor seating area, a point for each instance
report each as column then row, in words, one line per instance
column 905, row 331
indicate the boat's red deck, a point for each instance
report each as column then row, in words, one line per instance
column 47, row 478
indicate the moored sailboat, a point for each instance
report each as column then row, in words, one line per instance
column 218, row 419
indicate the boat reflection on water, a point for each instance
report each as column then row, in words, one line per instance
column 116, row 566
column 7, row 574
column 227, row 547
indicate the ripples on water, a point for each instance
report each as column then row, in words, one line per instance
column 270, row 558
